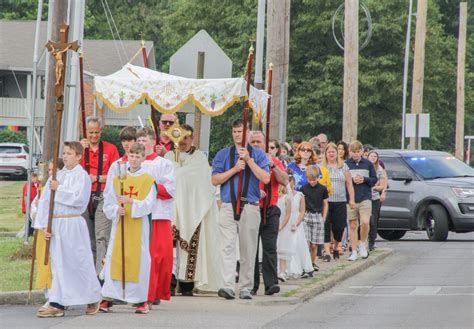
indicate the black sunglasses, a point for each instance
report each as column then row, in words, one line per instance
column 167, row 122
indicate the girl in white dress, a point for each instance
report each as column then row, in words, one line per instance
column 285, row 248
column 300, row 263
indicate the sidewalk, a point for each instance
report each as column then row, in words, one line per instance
column 292, row 292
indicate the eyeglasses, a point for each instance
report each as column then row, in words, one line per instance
column 306, row 150
column 167, row 122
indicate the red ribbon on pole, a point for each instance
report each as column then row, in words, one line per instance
column 267, row 134
column 246, row 120
column 83, row 107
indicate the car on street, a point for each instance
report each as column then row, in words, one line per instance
column 427, row 190
column 14, row 159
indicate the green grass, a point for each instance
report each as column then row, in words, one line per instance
column 14, row 268
column 318, row 278
column 11, row 217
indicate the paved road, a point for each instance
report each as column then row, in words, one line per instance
column 423, row 285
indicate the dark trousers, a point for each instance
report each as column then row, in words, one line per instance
column 374, row 220
column 335, row 221
column 268, row 233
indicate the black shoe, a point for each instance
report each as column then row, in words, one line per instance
column 253, row 292
column 335, row 254
column 275, row 289
column 156, row 302
column 187, row 293
column 315, row 267
column 326, row 258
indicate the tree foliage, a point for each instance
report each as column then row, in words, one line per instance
column 316, row 63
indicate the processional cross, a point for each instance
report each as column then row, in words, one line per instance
column 59, row 51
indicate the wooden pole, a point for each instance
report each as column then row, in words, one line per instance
column 278, row 53
column 351, row 70
column 83, row 109
column 244, row 133
column 122, row 232
column 461, row 80
column 267, row 135
column 197, row 112
column 419, row 66
column 152, row 109
column 59, row 15
column 32, row 268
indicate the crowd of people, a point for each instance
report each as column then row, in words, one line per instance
column 157, row 222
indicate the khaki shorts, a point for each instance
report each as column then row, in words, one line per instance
column 362, row 209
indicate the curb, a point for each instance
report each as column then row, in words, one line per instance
column 21, row 298
column 301, row 294
column 306, row 292
column 8, row 234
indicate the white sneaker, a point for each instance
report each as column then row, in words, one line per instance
column 363, row 251
column 352, row 256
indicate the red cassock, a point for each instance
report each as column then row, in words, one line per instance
column 161, row 252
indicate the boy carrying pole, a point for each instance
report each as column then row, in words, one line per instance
column 74, row 281
column 133, row 208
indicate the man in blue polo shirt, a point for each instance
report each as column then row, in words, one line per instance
column 227, row 165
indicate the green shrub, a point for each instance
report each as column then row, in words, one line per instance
column 111, row 134
column 8, row 136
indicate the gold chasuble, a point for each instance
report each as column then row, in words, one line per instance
column 137, row 188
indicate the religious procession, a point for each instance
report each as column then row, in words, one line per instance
column 230, row 189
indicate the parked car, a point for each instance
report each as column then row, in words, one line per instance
column 428, row 190
column 14, row 159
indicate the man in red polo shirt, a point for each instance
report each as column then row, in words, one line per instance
column 270, row 220
column 164, row 144
column 101, row 156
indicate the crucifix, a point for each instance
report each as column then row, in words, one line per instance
column 59, row 52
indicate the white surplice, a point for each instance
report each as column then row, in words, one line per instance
column 135, row 292
column 195, row 203
column 72, row 265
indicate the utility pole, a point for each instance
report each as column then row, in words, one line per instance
column 278, row 53
column 461, row 80
column 59, row 15
column 351, row 70
column 419, row 66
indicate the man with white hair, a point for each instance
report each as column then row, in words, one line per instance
column 98, row 157
column 323, row 141
column 270, row 219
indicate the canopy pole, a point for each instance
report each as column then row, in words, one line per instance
column 246, row 120
column 267, row 136
column 152, row 109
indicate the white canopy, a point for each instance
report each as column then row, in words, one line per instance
column 124, row 89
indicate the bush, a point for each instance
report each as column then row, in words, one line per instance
column 111, row 134
column 8, row 136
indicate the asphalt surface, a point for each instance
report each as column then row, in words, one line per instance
column 422, row 285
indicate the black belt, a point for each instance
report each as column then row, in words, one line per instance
column 314, row 212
